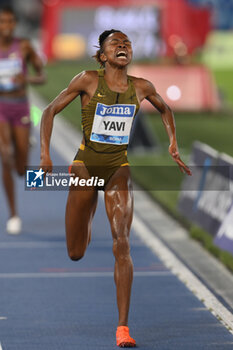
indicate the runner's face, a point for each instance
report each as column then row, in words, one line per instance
column 117, row 50
column 7, row 24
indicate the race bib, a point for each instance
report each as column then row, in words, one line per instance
column 112, row 124
column 8, row 69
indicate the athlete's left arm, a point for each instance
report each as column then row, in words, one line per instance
column 35, row 61
column 149, row 92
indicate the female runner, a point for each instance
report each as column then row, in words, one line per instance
column 110, row 99
column 15, row 55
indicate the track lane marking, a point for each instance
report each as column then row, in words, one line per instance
column 78, row 274
column 30, row 245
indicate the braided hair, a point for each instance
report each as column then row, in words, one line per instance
column 101, row 40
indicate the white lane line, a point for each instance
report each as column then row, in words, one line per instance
column 3, row 318
column 183, row 273
column 53, row 245
column 29, row 245
column 78, row 274
column 1, row 347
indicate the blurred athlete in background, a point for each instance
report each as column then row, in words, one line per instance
column 15, row 55
column 110, row 99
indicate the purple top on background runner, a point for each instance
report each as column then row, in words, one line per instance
column 11, row 64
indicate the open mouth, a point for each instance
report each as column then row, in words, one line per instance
column 121, row 54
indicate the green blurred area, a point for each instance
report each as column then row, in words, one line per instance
column 214, row 129
column 218, row 50
column 224, row 79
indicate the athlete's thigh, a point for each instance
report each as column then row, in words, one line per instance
column 21, row 143
column 5, row 142
column 80, row 209
column 119, row 202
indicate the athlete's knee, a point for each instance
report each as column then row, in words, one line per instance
column 6, row 156
column 76, row 255
column 7, row 162
column 121, row 247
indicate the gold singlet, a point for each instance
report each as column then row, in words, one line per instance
column 106, row 122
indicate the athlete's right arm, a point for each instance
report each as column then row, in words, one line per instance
column 77, row 86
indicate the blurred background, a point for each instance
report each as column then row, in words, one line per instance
column 185, row 47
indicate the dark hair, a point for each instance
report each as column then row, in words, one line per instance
column 101, row 40
column 7, row 9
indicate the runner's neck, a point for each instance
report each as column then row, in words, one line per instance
column 116, row 78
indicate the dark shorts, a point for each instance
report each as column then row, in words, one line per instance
column 101, row 165
column 14, row 111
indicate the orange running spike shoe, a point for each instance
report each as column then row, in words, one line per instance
column 123, row 338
